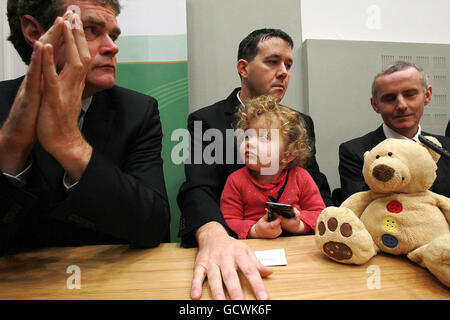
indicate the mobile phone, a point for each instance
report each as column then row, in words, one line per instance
column 284, row 210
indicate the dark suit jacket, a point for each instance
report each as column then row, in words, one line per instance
column 447, row 131
column 351, row 163
column 199, row 196
column 121, row 197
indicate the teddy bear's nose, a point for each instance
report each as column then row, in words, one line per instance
column 383, row 172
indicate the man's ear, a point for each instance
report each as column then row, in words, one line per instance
column 374, row 105
column 242, row 68
column 428, row 95
column 31, row 29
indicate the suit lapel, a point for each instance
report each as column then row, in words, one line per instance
column 423, row 133
column 378, row 136
column 231, row 106
column 9, row 91
column 98, row 120
column 96, row 129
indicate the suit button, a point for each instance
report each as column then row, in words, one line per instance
column 11, row 215
column 182, row 224
column 81, row 221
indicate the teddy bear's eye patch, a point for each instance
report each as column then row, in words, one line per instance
column 390, row 154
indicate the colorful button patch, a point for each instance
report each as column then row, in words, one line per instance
column 389, row 240
column 337, row 250
column 390, row 224
column 394, row 206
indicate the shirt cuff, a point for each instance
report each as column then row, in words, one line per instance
column 68, row 182
column 21, row 178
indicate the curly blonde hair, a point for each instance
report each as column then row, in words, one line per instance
column 292, row 128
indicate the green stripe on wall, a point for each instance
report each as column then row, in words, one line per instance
column 152, row 48
column 167, row 82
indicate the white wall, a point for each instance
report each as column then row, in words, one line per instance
column 162, row 17
column 374, row 20
column 11, row 66
column 377, row 20
column 2, row 34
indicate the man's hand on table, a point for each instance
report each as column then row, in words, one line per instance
column 219, row 258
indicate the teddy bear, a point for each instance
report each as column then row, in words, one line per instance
column 398, row 215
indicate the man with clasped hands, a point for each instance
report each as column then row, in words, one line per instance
column 80, row 157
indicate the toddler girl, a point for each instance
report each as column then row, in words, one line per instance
column 274, row 149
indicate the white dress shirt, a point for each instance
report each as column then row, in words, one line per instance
column 389, row 133
column 242, row 105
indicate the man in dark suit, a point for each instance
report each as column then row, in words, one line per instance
column 399, row 95
column 264, row 62
column 61, row 185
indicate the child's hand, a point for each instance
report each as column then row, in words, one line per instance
column 265, row 229
column 293, row 225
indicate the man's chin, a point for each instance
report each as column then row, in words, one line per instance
column 277, row 93
column 92, row 87
column 404, row 125
column 404, row 128
column 104, row 82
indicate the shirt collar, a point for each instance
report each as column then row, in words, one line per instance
column 241, row 105
column 86, row 103
column 389, row 133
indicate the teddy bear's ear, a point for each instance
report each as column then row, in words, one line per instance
column 365, row 154
column 433, row 154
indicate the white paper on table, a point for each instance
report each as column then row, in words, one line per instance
column 276, row 257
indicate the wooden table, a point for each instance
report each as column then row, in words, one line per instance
column 117, row 272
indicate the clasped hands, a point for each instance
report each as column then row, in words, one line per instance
column 272, row 229
column 48, row 102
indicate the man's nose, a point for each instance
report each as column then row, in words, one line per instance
column 108, row 46
column 401, row 103
column 283, row 71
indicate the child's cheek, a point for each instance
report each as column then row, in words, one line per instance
column 242, row 150
column 265, row 154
